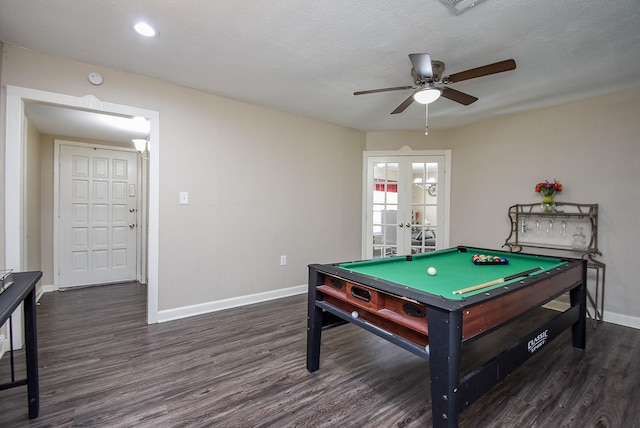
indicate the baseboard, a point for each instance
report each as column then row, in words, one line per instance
column 234, row 302
column 620, row 319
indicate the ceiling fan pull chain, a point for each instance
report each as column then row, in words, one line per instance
column 426, row 119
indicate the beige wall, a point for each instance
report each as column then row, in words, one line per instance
column 3, row 120
column 261, row 183
column 264, row 183
column 591, row 146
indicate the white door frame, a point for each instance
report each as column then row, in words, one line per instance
column 406, row 151
column 14, row 180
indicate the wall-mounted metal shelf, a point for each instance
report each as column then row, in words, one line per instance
column 568, row 227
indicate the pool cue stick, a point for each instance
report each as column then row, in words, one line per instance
column 497, row 281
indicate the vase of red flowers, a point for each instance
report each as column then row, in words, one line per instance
column 548, row 191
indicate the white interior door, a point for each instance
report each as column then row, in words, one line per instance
column 406, row 205
column 97, row 237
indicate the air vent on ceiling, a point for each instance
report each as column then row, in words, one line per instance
column 459, row 6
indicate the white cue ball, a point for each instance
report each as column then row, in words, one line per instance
column 431, row 271
column 354, row 314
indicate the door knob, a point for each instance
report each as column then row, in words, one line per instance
column 131, row 225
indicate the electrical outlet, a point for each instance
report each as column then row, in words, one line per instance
column 184, row 198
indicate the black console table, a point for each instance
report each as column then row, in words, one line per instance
column 22, row 290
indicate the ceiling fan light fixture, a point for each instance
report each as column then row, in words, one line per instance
column 427, row 95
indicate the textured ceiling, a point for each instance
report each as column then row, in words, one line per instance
column 308, row 57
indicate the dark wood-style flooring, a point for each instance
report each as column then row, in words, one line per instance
column 101, row 365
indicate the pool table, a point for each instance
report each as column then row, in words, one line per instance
column 433, row 315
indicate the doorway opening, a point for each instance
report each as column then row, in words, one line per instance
column 15, row 192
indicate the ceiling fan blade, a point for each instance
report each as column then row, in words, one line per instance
column 459, row 97
column 402, row 107
column 485, row 70
column 373, row 91
column 421, row 64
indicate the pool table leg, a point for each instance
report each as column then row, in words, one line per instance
column 314, row 331
column 578, row 297
column 445, row 347
column 314, row 325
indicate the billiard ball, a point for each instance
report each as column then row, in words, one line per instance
column 431, row 271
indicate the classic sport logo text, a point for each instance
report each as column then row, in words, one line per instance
column 538, row 341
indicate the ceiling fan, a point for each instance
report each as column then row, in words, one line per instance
column 429, row 84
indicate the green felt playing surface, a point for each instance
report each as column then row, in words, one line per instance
column 455, row 270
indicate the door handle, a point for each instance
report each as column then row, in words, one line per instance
column 131, row 225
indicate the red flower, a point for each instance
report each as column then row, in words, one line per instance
column 549, row 188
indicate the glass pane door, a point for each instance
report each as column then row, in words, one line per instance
column 424, row 206
column 384, row 194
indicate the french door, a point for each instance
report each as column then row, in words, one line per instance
column 406, row 205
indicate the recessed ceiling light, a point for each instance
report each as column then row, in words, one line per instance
column 145, row 29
